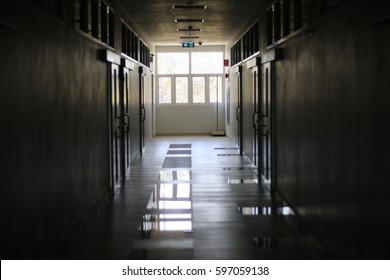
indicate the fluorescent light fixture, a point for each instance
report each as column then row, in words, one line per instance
column 189, row 20
column 189, row 29
column 199, row 7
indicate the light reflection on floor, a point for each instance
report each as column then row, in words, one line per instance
column 243, row 181
column 169, row 214
column 257, row 211
column 174, row 175
column 196, row 207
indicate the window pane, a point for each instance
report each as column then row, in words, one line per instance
column 207, row 63
column 166, row 190
column 198, row 90
column 182, row 90
column 214, row 89
column 183, row 175
column 166, row 175
column 173, row 63
column 164, row 90
column 183, row 190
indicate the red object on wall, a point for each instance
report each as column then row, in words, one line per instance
column 226, row 62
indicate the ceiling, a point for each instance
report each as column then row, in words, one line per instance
column 223, row 19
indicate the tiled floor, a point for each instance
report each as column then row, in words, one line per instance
column 193, row 198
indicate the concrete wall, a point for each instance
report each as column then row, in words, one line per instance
column 331, row 118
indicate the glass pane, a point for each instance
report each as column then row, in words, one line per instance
column 182, row 90
column 164, row 90
column 214, row 89
column 173, row 63
column 166, row 175
column 166, row 191
column 183, row 175
column 207, row 63
column 183, row 190
column 198, row 90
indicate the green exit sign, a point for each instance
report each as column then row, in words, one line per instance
column 188, row 45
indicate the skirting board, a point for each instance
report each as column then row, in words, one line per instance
column 217, row 133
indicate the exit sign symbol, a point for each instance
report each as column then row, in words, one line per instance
column 188, row 45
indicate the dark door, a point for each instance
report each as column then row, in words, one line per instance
column 142, row 109
column 116, row 125
column 255, row 117
column 266, row 123
column 125, row 109
column 239, row 108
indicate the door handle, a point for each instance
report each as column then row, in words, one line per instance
column 118, row 130
column 143, row 114
column 255, row 121
column 127, row 124
column 263, row 126
column 238, row 113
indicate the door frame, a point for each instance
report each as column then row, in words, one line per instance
column 268, row 60
column 238, row 73
column 113, row 60
column 143, row 72
column 256, row 87
column 126, row 67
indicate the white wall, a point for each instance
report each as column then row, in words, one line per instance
column 182, row 119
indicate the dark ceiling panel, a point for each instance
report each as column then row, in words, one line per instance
column 223, row 19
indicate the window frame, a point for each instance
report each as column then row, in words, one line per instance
column 189, row 76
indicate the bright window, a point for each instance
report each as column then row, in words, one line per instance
column 206, row 63
column 215, row 87
column 181, row 90
column 164, row 90
column 198, row 90
column 173, row 63
column 190, row 77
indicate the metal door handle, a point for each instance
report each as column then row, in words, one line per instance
column 263, row 126
column 127, row 125
column 143, row 114
column 255, row 122
column 238, row 113
column 118, row 129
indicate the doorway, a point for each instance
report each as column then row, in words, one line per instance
column 125, row 90
column 119, row 90
column 116, row 126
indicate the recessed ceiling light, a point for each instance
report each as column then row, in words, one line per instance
column 189, row 37
column 189, row 29
column 199, row 7
column 189, row 20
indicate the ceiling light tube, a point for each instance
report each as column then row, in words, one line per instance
column 199, row 7
column 189, row 29
column 189, row 37
column 189, row 20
